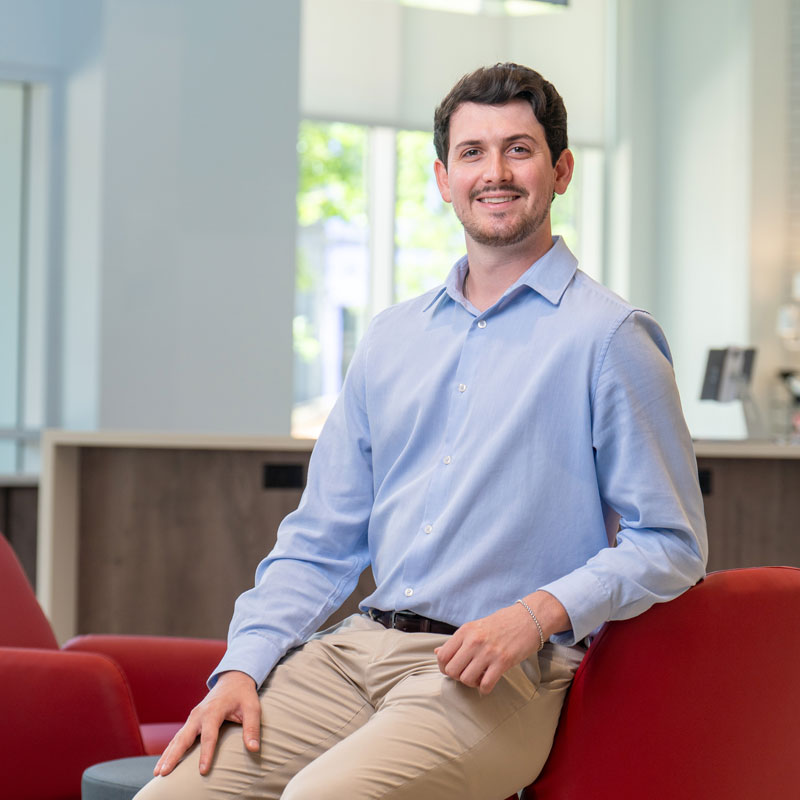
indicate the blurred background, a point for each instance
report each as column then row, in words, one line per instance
column 203, row 202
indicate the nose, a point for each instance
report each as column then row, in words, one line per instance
column 497, row 169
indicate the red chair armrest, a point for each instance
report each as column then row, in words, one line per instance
column 167, row 674
column 62, row 712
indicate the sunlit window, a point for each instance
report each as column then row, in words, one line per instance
column 12, row 178
column 428, row 237
column 23, row 265
column 374, row 230
column 333, row 280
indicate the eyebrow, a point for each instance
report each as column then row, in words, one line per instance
column 507, row 140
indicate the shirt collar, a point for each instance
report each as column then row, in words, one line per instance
column 549, row 276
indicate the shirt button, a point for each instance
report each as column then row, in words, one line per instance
column 482, row 323
column 409, row 592
column 428, row 529
column 462, row 387
column 446, row 460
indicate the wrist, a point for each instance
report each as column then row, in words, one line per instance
column 549, row 611
column 535, row 620
column 235, row 676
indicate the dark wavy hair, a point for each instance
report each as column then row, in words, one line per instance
column 500, row 84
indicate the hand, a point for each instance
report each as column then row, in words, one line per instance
column 479, row 653
column 234, row 698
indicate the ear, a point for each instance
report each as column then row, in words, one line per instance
column 442, row 180
column 562, row 171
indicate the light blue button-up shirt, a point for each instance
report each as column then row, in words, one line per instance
column 473, row 458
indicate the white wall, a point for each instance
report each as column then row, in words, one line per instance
column 699, row 225
column 703, row 174
column 174, row 125
column 175, row 253
column 199, row 215
column 771, row 262
column 79, row 116
column 390, row 64
column 695, row 230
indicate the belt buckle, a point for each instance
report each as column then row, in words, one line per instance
column 402, row 616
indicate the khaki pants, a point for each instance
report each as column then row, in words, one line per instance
column 363, row 712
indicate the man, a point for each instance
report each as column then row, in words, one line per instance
column 510, row 456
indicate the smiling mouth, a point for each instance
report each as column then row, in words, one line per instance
column 498, row 196
column 495, row 199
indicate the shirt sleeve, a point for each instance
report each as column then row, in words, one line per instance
column 647, row 474
column 321, row 548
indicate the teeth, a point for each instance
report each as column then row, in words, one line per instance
column 495, row 199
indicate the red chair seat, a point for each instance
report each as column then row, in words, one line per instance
column 157, row 735
column 97, row 699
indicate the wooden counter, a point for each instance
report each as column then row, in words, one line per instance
column 148, row 533
column 18, row 509
column 751, row 492
column 158, row 534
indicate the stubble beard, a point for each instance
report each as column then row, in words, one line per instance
column 496, row 234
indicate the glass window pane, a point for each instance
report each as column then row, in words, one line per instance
column 332, row 284
column 11, row 174
column 8, row 457
column 31, row 458
column 428, row 236
column 564, row 210
column 334, row 273
column 577, row 215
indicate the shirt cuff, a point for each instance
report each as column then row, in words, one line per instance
column 252, row 655
column 586, row 600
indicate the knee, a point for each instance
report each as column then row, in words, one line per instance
column 171, row 787
column 155, row 789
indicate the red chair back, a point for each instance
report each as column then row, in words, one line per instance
column 696, row 698
column 22, row 622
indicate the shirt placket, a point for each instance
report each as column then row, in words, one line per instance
column 433, row 526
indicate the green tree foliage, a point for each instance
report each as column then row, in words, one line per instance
column 428, row 237
column 332, row 175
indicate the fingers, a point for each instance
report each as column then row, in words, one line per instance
column 447, row 651
column 251, row 724
column 462, row 664
column 490, row 678
column 461, row 658
column 234, row 697
column 180, row 743
column 208, row 742
column 478, row 655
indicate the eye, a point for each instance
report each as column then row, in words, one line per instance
column 519, row 150
column 472, row 152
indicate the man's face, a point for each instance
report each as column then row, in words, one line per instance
column 499, row 175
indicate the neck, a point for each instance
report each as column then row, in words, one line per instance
column 493, row 269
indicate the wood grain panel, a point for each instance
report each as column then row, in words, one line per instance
column 753, row 512
column 18, row 515
column 22, row 516
column 170, row 538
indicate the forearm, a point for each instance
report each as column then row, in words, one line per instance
column 645, row 567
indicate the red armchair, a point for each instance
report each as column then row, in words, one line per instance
column 696, row 699
column 98, row 698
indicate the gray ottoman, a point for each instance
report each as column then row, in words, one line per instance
column 117, row 780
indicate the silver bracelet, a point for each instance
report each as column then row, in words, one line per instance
column 533, row 617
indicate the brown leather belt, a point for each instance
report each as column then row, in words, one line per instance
column 409, row 622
